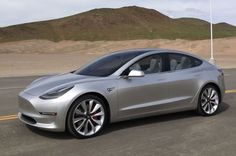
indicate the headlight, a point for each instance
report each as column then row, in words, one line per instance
column 56, row 93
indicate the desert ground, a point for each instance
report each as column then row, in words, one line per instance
column 37, row 57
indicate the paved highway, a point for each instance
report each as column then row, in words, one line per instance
column 175, row 134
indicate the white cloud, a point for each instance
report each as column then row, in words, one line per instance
column 22, row 11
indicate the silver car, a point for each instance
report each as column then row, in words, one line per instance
column 121, row 86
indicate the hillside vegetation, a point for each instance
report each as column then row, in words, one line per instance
column 127, row 23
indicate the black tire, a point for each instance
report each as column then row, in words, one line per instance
column 200, row 108
column 70, row 116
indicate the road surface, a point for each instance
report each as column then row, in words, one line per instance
column 182, row 133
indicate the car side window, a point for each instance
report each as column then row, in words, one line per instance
column 179, row 62
column 149, row 65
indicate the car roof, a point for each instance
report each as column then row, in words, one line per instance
column 145, row 51
column 141, row 51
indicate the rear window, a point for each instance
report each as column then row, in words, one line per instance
column 181, row 61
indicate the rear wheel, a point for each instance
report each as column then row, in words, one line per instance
column 209, row 101
column 87, row 117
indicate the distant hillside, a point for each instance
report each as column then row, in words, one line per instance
column 125, row 23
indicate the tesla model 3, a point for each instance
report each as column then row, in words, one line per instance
column 121, row 86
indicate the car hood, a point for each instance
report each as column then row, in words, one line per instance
column 44, row 84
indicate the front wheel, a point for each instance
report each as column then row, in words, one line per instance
column 87, row 117
column 209, row 101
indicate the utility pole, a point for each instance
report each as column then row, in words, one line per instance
column 212, row 60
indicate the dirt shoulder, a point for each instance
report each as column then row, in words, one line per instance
column 34, row 57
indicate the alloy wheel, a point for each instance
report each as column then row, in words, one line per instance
column 209, row 100
column 88, row 117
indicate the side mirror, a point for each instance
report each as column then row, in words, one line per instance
column 136, row 73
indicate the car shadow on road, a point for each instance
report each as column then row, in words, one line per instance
column 158, row 119
column 128, row 124
column 49, row 134
column 224, row 107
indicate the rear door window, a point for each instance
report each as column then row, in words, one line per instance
column 181, row 61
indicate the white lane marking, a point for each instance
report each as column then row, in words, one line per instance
column 6, row 88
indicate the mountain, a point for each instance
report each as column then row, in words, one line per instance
column 125, row 23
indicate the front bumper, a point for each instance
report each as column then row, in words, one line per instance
column 32, row 111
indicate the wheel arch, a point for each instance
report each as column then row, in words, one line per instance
column 215, row 85
column 94, row 94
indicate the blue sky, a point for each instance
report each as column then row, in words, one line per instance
column 22, row 11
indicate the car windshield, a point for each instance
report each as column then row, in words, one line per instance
column 108, row 64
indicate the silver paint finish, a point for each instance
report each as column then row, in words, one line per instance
column 127, row 98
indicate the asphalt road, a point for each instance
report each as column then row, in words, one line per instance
column 182, row 133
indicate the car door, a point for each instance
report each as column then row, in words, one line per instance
column 138, row 96
column 183, row 79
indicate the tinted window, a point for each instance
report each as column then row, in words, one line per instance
column 196, row 62
column 149, row 65
column 107, row 65
column 180, row 61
